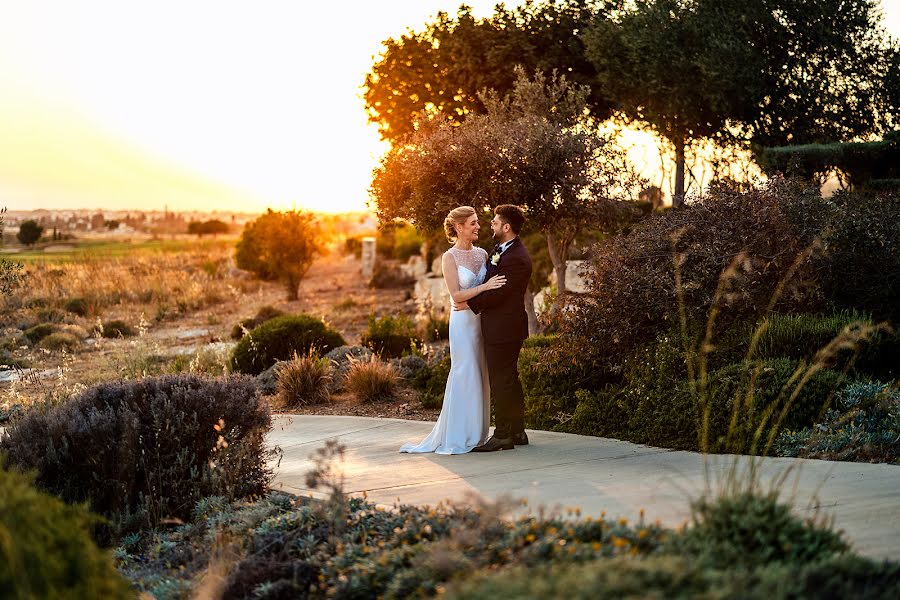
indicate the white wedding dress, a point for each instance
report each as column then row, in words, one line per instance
column 466, row 413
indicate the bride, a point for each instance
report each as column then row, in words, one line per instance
column 466, row 413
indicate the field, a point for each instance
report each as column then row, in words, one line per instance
column 182, row 298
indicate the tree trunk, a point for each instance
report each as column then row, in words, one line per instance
column 534, row 327
column 293, row 287
column 678, row 195
column 558, row 258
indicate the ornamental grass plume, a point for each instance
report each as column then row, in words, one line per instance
column 371, row 379
column 304, row 380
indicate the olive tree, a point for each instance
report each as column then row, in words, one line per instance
column 532, row 147
column 282, row 246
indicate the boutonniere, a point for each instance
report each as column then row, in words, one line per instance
column 495, row 259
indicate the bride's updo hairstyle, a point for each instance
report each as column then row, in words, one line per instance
column 457, row 216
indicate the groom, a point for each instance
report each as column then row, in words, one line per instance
column 504, row 326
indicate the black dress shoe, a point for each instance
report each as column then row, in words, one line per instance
column 520, row 439
column 494, row 444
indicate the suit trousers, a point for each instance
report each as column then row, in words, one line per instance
column 506, row 389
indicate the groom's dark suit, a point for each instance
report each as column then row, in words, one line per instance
column 504, row 326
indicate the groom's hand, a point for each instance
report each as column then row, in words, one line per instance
column 461, row 306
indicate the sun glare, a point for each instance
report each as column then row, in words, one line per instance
column 201, row 105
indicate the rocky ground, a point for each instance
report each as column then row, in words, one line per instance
column 332, row 290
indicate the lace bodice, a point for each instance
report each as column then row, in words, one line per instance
column 471, row 266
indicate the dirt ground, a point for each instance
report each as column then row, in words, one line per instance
column 333, row 290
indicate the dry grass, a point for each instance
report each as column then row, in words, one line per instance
column 303, row 381
column 161, row 284
column 372, row 380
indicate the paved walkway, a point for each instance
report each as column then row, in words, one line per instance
column 594, row 474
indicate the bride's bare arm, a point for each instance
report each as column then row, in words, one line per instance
column 451, row 278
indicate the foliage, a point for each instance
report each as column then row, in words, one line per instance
column 390, row 336
column 40, row 331
column 857, row 162
column 280, row 245
column 861, row 268
column 10, row 272
column 78, row 306
column 432, row 382
column 864, row 426
column 142, row 451
column 349, row 548
column 264, row 314
column 29, row 232
column 436, row 328
column 211, row 227
column 371, row 380
column 60, row 341
column 754, row 71
column 730, row 257
column 303, row 380
column 443, row 68
column 398, row 240
column 118, row 329
column 549, row 387
column 554, row 165
column 753, row 529
column 46, row 549
column 278, row 339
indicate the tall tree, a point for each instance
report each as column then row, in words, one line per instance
column 442, row 68
column 531, row 147
column 771, row 72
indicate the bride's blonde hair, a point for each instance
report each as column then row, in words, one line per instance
column 457, row 216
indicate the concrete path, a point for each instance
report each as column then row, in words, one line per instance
column 597, row 475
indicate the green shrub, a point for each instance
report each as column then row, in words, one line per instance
column 60, row 342
column 78, row 306
column 760, row 393
column 436, row 329
column 746, row 238
column 432, row 382
column 140, row 451
column 266, row 313
column 599, row 413
column 118, row 329
column 752, row 529
column 549, row 387
column 38, row 332
column 540, row 341
column 863, row 426
column 46, row 549
column 862, row 266
column 667, row 577
column 303, row 380
column 51, row 315
column 278, row 339
column 389, row 336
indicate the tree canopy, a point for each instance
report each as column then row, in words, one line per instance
column 442, row 68
column 771, row 72
column 29, row 232
column 280, row 245
column 532, row 147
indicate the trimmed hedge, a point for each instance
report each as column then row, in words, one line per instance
column 279, row 339
column 141, row 451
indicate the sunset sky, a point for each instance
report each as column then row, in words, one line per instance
column 196, row 104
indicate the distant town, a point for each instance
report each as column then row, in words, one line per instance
column 70, row 224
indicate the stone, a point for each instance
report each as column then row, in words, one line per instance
column 410, row 365
column 267, row 381
column 368, row 257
